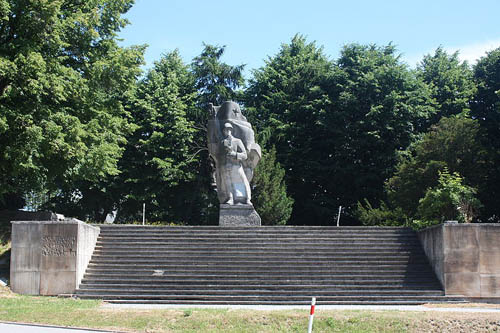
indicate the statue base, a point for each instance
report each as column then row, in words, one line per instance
column 238, row 216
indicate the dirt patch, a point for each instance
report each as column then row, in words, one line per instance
column 464, row 305
column 457, row 322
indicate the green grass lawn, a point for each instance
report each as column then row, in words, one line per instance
column 90, row 314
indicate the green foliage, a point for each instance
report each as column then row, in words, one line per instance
column 486, row 104
column 216, row 81
column 449, row 81
column 381, row 216
column 285, row 99
column 269, row 191
column 338, row 126
column 486, row 109
column 62, row 83
column 379, row 109
column 158, row 156
column 454, row 143
column 451, row 199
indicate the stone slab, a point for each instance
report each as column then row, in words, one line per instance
column 461, row 260
column 490, row 285
column 57, row 282
column 27, row 235
column 27, row 283
column 460, row 237
column 25, row 259
column 238, row 216
column 489, row 262
column 489, row 237
column 466, row 284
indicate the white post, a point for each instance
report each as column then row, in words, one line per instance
column 143, row 213
column 338, row 216
column 311, row 315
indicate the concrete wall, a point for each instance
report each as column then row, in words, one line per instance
column 465, row 257
column 50, row 257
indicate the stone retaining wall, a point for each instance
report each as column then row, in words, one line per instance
column 465, row 257
column 50, row 257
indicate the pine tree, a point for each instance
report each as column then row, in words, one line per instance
column 269, row 191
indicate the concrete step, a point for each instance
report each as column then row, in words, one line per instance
column 413, row 245
column 280, row 257
column 242, row 298
column 255, row 238
column 305, row 302
column 174, row 287
column 317, row 276
column 248, row 272
column 148, row 247
column 153, row 265
column 297, row 229
column 260, row 249
column 247, row 234
column 253, row 261
column 259, row 292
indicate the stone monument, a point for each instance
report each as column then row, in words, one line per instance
column 231, row 144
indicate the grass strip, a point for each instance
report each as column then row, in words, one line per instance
column 88, row 313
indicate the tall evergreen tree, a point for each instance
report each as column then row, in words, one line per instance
column 269, row 191
column 285, row 99
column 157, row 157
column 215, row 82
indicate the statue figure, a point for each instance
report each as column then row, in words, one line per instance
column 235, row 179
column 231, row 144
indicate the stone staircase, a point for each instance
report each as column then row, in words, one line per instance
column 265, row 265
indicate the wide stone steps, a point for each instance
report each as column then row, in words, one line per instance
column 266, row 265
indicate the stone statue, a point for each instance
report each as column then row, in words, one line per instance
column 231, row 144
column 233, row 177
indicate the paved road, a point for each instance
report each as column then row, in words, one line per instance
column 30, row 328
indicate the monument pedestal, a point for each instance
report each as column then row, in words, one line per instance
column 238, row 216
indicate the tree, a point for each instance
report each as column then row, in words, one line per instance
column 216, row 81
column 454, row 143
column 451, row 83
column 63, row 79
column 158, row 157
column 451, row 199
column 338, row 127
column 422, row 191
column 284, row 99
column 269, row 191
column 379, row 109
column 486, row 109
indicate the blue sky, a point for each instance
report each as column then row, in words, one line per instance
column 252, row 30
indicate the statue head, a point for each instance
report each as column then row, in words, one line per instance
column 228, row 128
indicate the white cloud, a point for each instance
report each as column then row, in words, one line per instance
column 470, row 52
column 473, row 52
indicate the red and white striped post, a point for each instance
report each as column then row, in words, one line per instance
column 311, row 315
